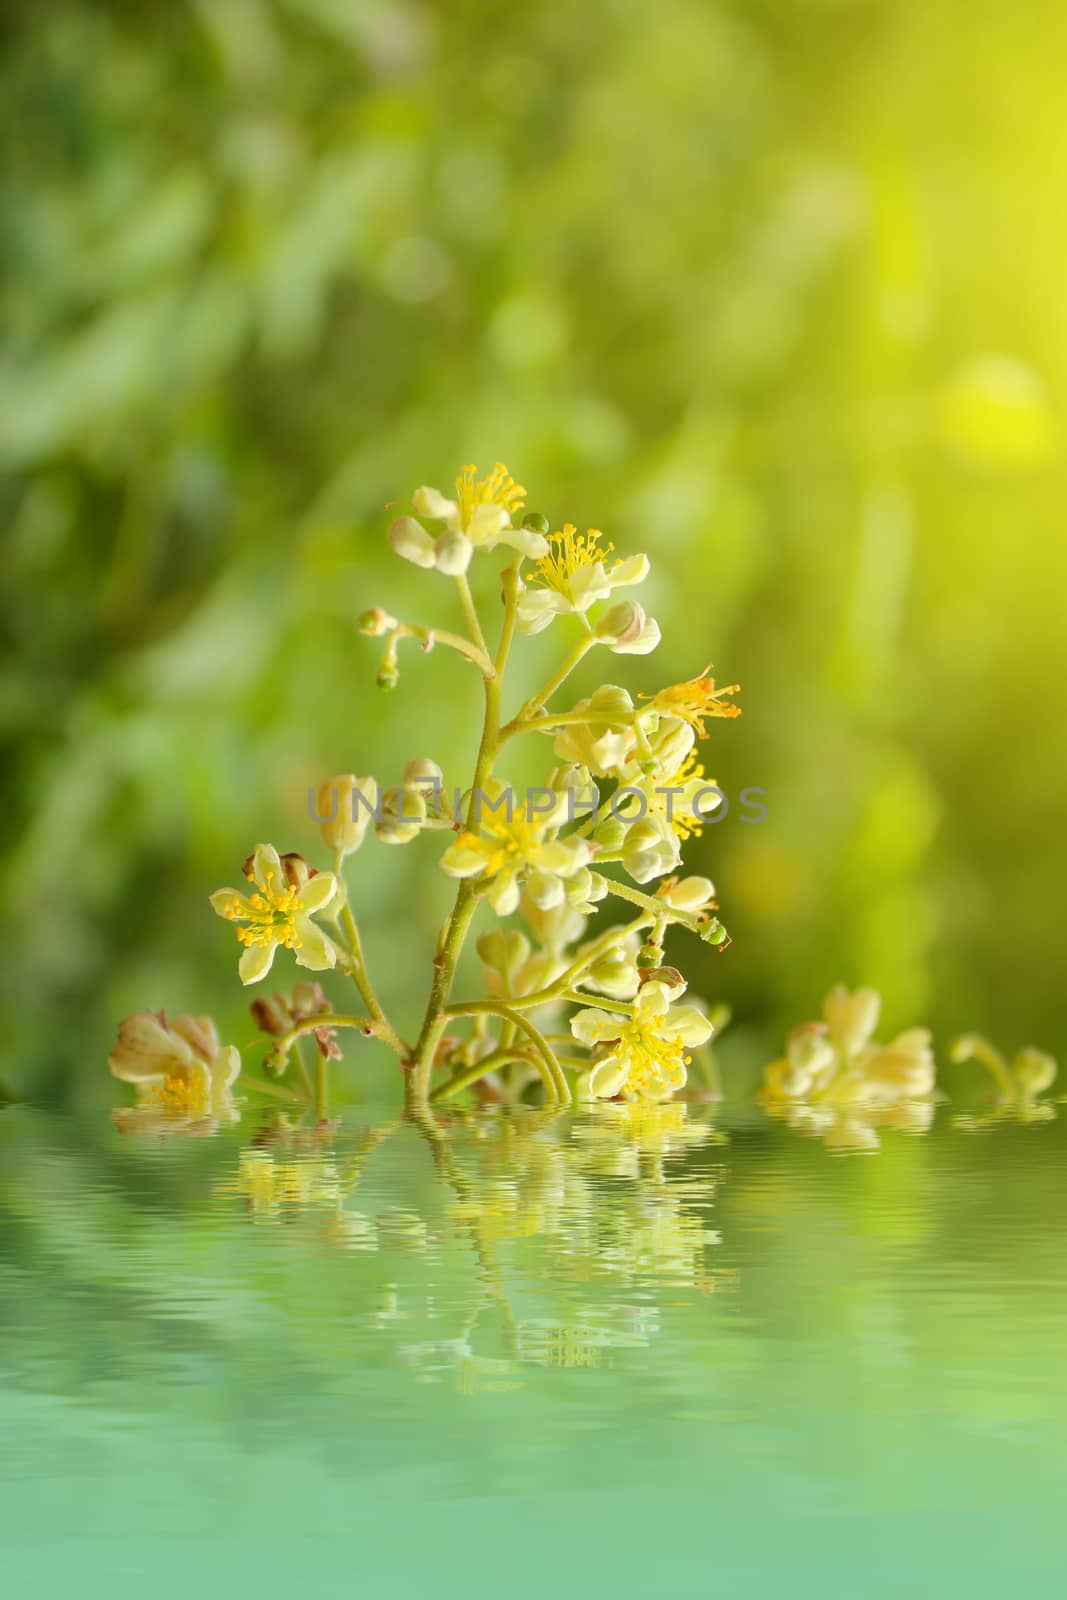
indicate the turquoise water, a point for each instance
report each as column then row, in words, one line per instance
column 711, row 1356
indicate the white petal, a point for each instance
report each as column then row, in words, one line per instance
column 608, row 1076
column 592, row 1026
column 226, row 1070
column 545, row 890
column 644, row 644
column 465, row 858
column 256, row 962
column 318, row 892
column 486, row 524
column 452, row 554
column 655, row 999
column 432, row 503
column 529, row 543
column 504, row 894
column 633, row 569
column 267, row 865
column 588, row 585
column 410, row 540
column 316, row 952
column 688, row 1024
column 146, row 1049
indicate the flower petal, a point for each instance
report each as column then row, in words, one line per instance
column 645, row 642
column 432, row 503
column 466, row 857
column 545, row 889
column 633, row 569
column 226, row 1070
column 593, row 1026
column 318, row 892
column 256, row 961
column 267, row 865
column 316, row 951
column 146, row 1049
column 688, row 1024
column 410, row 540
column 504, row 894
column 608, row 1075
column 198, row 1032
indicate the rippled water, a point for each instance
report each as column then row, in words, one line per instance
column 670, row 1357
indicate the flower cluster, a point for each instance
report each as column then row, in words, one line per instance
column 581, row 1001
column 836, row 1061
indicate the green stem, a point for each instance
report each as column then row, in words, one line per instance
column 561, row 719
column 274, row 1090
column 458, row 925
column 495, row 1008
column 566, row 980
column 298, row 1052
column 655, row 908
column 974, row 1047
column 322, row 1092
column 470, row 614
column 357, row 971
column 584, row 645
column 329, row 1019
column 428, row 637
column 479, row 1069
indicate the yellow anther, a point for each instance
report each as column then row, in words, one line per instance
column 568, row 553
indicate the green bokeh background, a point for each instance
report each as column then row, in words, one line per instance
column 768, row 289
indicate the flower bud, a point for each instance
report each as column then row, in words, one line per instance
column 615, row 975
column 403, row 812
column 687, row 894
column 503, row 950
column 426, row 777
column 411, row 541
column 348, row 803
column 649, row 851
column 669, row 977
column 376, row 622
column 626, row 629
column 610, row 833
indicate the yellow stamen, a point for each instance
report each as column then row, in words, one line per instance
column 504, row 843
column 498, row 489
column 269, row 915
column 694, row 700
column 682, row 816
column 569, row 552
column 652, row 1059
column 181, row 1095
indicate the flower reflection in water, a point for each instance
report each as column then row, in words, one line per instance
column 572, row 1235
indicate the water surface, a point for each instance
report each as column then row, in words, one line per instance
column 699, row 1355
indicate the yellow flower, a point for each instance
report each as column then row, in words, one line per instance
column 287, row 894
column 639, row 1055
column 572, row 576
column 836, row 1062
column 605, row 743
column 479, row 518
column 694, row 700
column 507, row 849
column 182, row 1075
